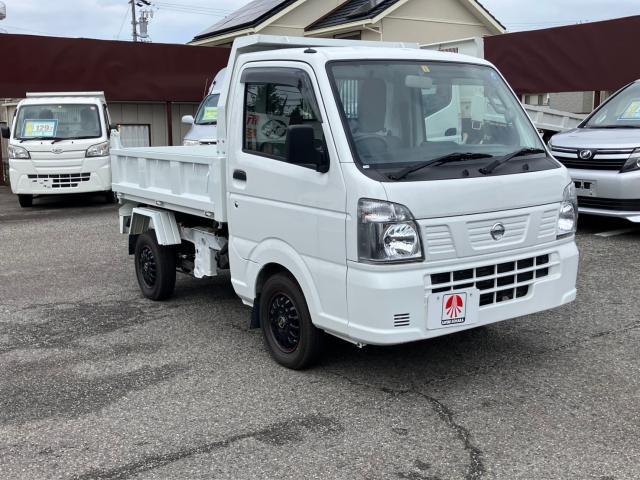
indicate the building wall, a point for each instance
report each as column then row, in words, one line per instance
column 431, row 21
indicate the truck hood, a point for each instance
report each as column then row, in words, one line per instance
column 61, row 146
column 448, row 198
column 594, row 138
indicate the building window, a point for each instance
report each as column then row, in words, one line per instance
column 135, row 135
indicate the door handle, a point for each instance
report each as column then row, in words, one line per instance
column 240, row 175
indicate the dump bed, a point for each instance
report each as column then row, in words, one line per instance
column 184, row 179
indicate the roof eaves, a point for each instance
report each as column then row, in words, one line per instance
column 379, row 11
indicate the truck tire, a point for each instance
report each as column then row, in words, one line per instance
column 155, row 267
column 25, row 201
column 290, row 336
column 110, row 197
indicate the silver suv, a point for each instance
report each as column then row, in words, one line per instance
column 603, row 156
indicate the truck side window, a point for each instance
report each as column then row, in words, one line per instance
column 270, row 108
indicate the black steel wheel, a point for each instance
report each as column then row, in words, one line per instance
column 288, row 331
column 25, row 201
column 155, row 267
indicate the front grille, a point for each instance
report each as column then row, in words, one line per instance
column 497, row 283
column 61, row 180
column 601, row 160
column 632, row 205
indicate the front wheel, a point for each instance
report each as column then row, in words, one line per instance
column 110, row 197
column 25, row 201
column 155, row 267
column 289, row 334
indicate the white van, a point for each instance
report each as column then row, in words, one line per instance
column 59, row 144
column 204, row 127
column 338, row 209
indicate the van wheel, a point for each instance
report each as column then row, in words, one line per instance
column 110, row 197
column 25, row 201
column 289, row 334
column 155, row 267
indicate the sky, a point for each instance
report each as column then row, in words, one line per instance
column 178, row 21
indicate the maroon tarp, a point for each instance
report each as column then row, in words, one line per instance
column 125, row 71
column 579, row 58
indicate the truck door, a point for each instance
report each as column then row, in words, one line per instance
column 284, row 210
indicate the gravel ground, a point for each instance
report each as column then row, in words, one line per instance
column 98, row 383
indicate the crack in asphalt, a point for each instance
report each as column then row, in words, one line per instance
column 277, row 434
column 476, row 469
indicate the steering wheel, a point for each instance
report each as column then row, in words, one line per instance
column 371, row 144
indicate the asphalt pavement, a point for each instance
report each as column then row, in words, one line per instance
column 97, row 382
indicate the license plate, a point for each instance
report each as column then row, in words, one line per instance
column 453, row 309
column 585, row 188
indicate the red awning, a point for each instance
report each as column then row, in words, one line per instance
column 579, row 58
column 125, row 71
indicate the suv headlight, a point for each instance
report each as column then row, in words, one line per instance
column 568, row 218
column 99, row 150
column 190, row 143
column 18, row 153
column 387, row 232
column 633, row 163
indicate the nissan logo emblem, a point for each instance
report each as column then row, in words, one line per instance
column 498, row 231
column 586, row 154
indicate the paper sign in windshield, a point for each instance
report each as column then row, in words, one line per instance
column 40, row 128
column 632, row 112
column 210, row 114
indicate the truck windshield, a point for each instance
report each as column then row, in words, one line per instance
column 58, row 122
column 621, row 111
column 208, row 111
column 405, row 113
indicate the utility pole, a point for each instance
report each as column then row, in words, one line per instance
column 134, row 22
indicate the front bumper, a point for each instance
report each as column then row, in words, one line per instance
column 613, row 192
column 389, row 307
column 92, row 175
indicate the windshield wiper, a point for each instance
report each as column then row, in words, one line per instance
column 452, row 157
column 520, row 153
column 615, row 126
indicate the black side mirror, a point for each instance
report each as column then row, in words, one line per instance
column 301, row 148
column 113, row 126
column 6, row 132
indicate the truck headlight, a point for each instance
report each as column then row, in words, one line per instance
column 18, row 153
column 387, row 232
column 633, row 163
column 568, row 218
column 190, row 143
column 99, row 150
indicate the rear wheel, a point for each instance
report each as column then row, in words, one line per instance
column 25, row 201
column 289, row 334
column 155, row 267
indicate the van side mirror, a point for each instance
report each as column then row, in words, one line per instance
column 188, row 120
column 6, row 132
column 113, row 126
column 301, row 148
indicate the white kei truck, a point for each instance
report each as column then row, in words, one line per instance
column 59, row 144
column 345, row 198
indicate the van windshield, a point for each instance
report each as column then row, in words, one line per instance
column 208, row 111
column 405, row 113
column 58, row 121
column 621, row 111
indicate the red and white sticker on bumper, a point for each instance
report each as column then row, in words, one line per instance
column 453, row 309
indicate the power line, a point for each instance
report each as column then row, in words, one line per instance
column 126, row 15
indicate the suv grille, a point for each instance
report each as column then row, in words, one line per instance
column 609, row 204
column 570, row 158
column 61, row 180
column 497, row 283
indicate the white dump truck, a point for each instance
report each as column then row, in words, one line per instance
column 59, row 144
column 348, row 194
